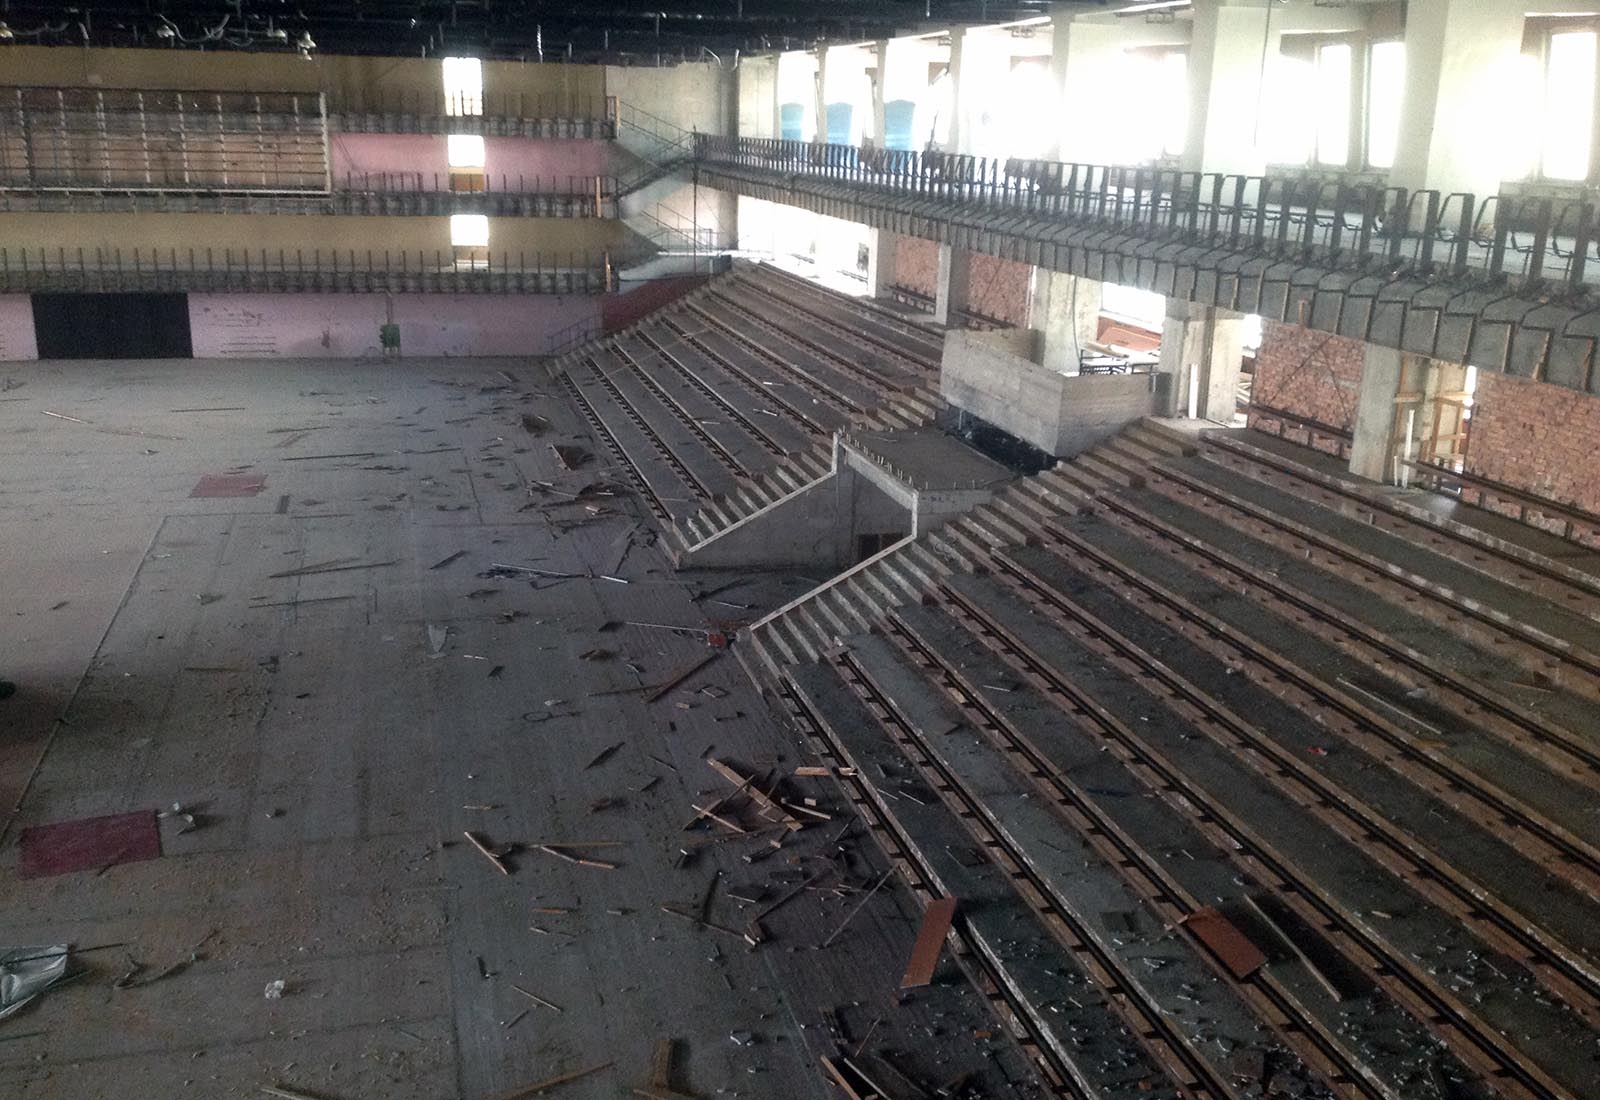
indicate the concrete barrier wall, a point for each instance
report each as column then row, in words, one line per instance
column 271, row 326
column 1062, row 414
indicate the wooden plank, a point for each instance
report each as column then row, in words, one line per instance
column 1224, row 940
column 936, row 921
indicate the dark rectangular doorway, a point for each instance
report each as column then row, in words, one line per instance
column 112, row 326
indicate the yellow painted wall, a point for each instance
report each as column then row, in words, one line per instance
column 348, row 81
column 290, row 232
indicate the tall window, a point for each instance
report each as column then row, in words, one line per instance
column 463, row 86
column 1308, row 102
column 1333, row 103
column 1154, row 105
column 1386, row 79
column 1568, row 131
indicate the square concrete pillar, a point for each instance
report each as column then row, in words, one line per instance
column 1202, row 348
column 954, row 286
column 1381, row 373
column 1462, row 63
column 1065, row 310
column 880, row 262
column 1225, row 67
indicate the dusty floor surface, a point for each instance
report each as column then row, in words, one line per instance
column 334, row 733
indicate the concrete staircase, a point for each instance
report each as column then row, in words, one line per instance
column 915, row 409
column 856, row 600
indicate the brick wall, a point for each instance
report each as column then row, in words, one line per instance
column 1310, row 374
column 998, row 289
column 916, row 264
column 1536, row 437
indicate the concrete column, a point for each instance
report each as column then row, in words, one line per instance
column 955, row 278
column 1065, row 310
column 880, row 262
column 1459, row 111
column 1201, row 350
column 1381, row 374
column 959, row 136
column 1225, row 67
column 820, row 94
column 880, row 76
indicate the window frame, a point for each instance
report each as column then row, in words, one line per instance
column 1538, row 33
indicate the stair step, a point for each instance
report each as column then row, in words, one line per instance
column 880, row 584
column 1133, row 451
column 962, row 553
column 1105, row 471
column 1182, row 444
column 994, row 519
column 1024, row 510
column 869, row 600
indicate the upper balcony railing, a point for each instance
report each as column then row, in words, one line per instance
column 1536, row 241
column 487, row 271
column 508, row 114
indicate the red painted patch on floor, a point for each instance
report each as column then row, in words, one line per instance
column 229, row 485
column 90, row 844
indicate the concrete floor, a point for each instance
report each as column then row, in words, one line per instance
column 334, row 759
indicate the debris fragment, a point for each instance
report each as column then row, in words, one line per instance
column 275, row 989
column 551, row 1082
column 26, row 972
column 605, row 754
column 488, row 853
column 936, row 921
column 312, row 570
column 582, row 861
column 536, row 999
column 679, row 677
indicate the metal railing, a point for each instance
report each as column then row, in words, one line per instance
column 504, row 105
column 579, row 332
column 350, row 270
column 1355, row 226
column 661, row 146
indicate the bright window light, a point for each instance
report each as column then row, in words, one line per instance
column 1385, row 88
column 1145, row 308
column 463, row 86
column 1333, row 103
column 1569, row 105
column 1028, row 82
column 1285, row 137
column 1150, row 116
column 465, row 150
column 469, row 230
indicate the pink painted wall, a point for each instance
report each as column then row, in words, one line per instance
column 561, row 157
column 286, row 326
column 374, row 154
column 505, row 159
column 16, row 328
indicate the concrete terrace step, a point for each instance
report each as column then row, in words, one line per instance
column 1173, row 440
column 1108, row 470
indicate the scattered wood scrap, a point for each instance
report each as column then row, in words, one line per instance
column 582, row 861
column 488, row 853
column 680, row 677
column 936, row 920
column 659, row 1087
column 552, row 1082
column 771, row 808
column 1224, row 940
column 311, row 570
column 605, row 754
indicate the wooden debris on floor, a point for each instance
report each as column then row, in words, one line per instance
column 936, row 920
